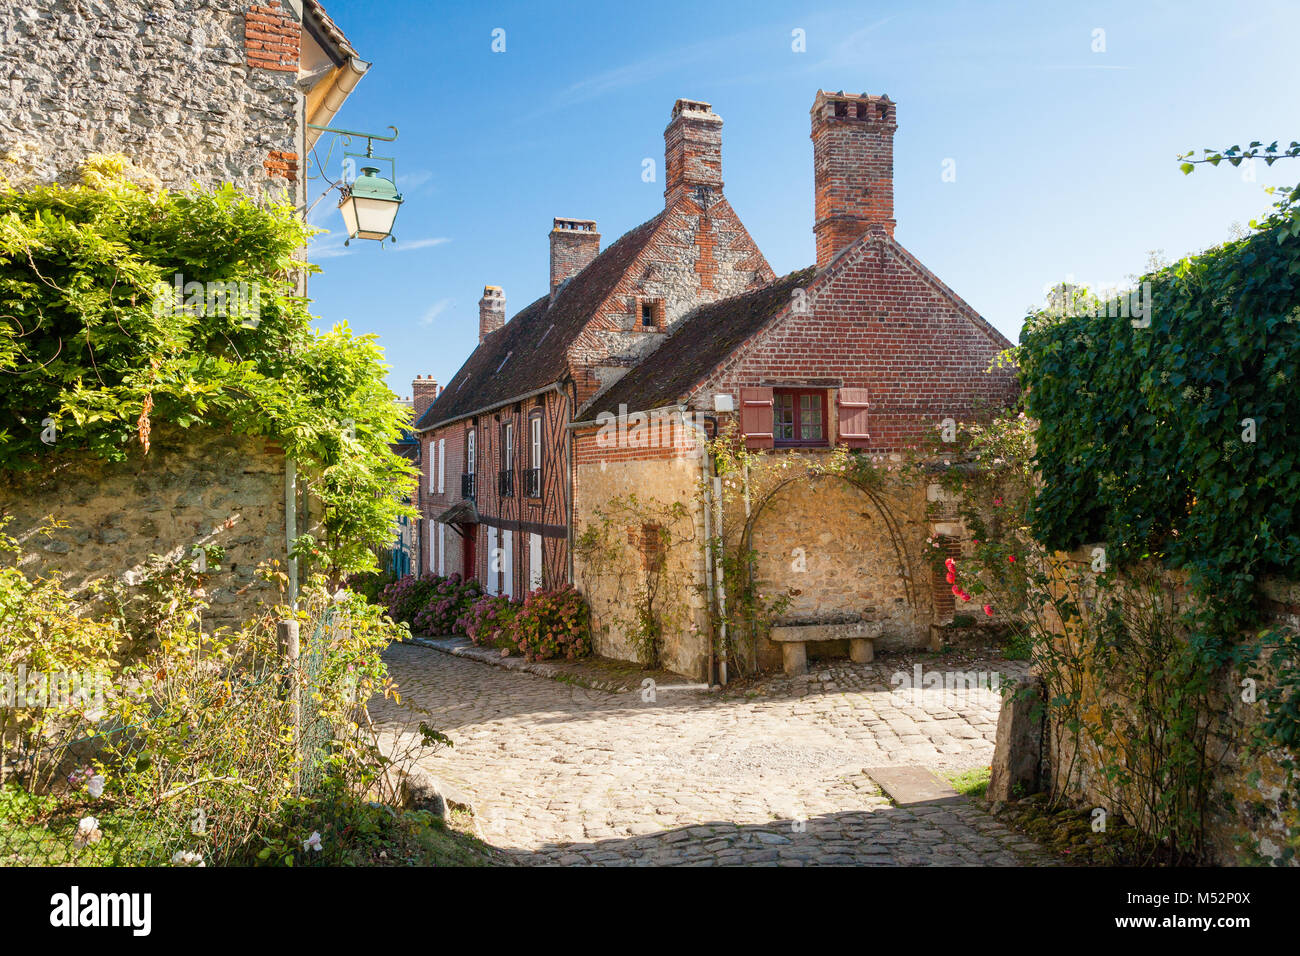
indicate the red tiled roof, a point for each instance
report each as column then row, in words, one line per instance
column 530, row 352
column 702, row 340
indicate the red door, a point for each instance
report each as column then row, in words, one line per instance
column 469, row 534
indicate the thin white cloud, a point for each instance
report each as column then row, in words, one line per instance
column 435, row 310
column 410, row 182
column 403, row 246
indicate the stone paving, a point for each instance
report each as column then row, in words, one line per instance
column 766, row 773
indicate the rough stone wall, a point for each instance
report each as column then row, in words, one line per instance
column 191, row 90
column 1250, row 809
column 696, row 255
column 673, row 476
column 194, row 487
column 825, row 542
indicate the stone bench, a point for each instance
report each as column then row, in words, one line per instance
column 794, row 638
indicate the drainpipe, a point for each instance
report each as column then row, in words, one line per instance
column 291, row 526
column 708, row 548
column 720, row 586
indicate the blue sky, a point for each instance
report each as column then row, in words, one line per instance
column 1064, row 157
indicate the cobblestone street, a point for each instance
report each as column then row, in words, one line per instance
column 772, row 774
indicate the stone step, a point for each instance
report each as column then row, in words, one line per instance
column 912, row 786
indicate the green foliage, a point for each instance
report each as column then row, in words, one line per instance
column 489, row 621
column 94, row 342
column 1234, row 155
column 1176, row 440
column 553, row 623
column 189, row 746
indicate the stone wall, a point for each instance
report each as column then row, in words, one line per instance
column 195, row 487
column 608, row 587
column 167, row 82
column 826, row 543
column 1250, row 814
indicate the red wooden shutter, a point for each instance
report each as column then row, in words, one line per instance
column 756, row 417
column 853, row 417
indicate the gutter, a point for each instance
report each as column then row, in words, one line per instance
column 592, row 422
column 339, row 85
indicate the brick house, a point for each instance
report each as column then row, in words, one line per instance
column 206, row 91
column 496, row 488
column 866, row 349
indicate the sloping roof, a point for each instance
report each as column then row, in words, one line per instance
column 702, row 340
column 530, row 352
column 342, row 48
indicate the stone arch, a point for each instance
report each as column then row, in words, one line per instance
column 857, row 565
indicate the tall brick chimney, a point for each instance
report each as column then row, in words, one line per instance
column 574, row 243
column 491, row 311
column 853, row 168
column 692, row 150
column 423, row 392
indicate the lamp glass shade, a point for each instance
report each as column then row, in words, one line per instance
column 370, row 206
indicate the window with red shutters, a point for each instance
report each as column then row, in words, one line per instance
column 756, row 417
column 799, row 417
column 853, row 407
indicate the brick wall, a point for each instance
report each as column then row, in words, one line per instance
column 272, row 39
column 878, row 320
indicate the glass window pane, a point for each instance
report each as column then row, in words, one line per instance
column 810, row 417
column 783, row 417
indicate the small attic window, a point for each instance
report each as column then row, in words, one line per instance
column 649, row 314
column 862, row 111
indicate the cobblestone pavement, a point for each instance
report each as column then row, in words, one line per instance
column 770, row 773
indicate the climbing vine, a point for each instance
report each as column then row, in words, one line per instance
column 646, row 547
column 125, row 307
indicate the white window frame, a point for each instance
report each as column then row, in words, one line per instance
column 469, row 452
column 535, row 440
column 442, row 464
column 534, row 561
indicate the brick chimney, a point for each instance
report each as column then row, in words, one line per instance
column 423, row 392
column 853, row 169
column 574, row 243
column 692, row 151
column 491, row 311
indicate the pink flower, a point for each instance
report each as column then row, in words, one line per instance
column 952, row 578
column 988, row 609
column 1011, row 558
column 950, row 564
column 998, row 501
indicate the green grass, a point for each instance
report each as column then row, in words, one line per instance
column 971, row 783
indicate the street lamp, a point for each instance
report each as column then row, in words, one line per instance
column 369, row 206
column 369, row 202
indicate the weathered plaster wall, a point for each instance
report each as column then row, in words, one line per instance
column 197, row 487
column 669, row 477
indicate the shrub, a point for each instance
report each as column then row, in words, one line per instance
column 490, row 621
column 553, row 623
column 370, row 584
column 447, row 602
column 408, row 596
